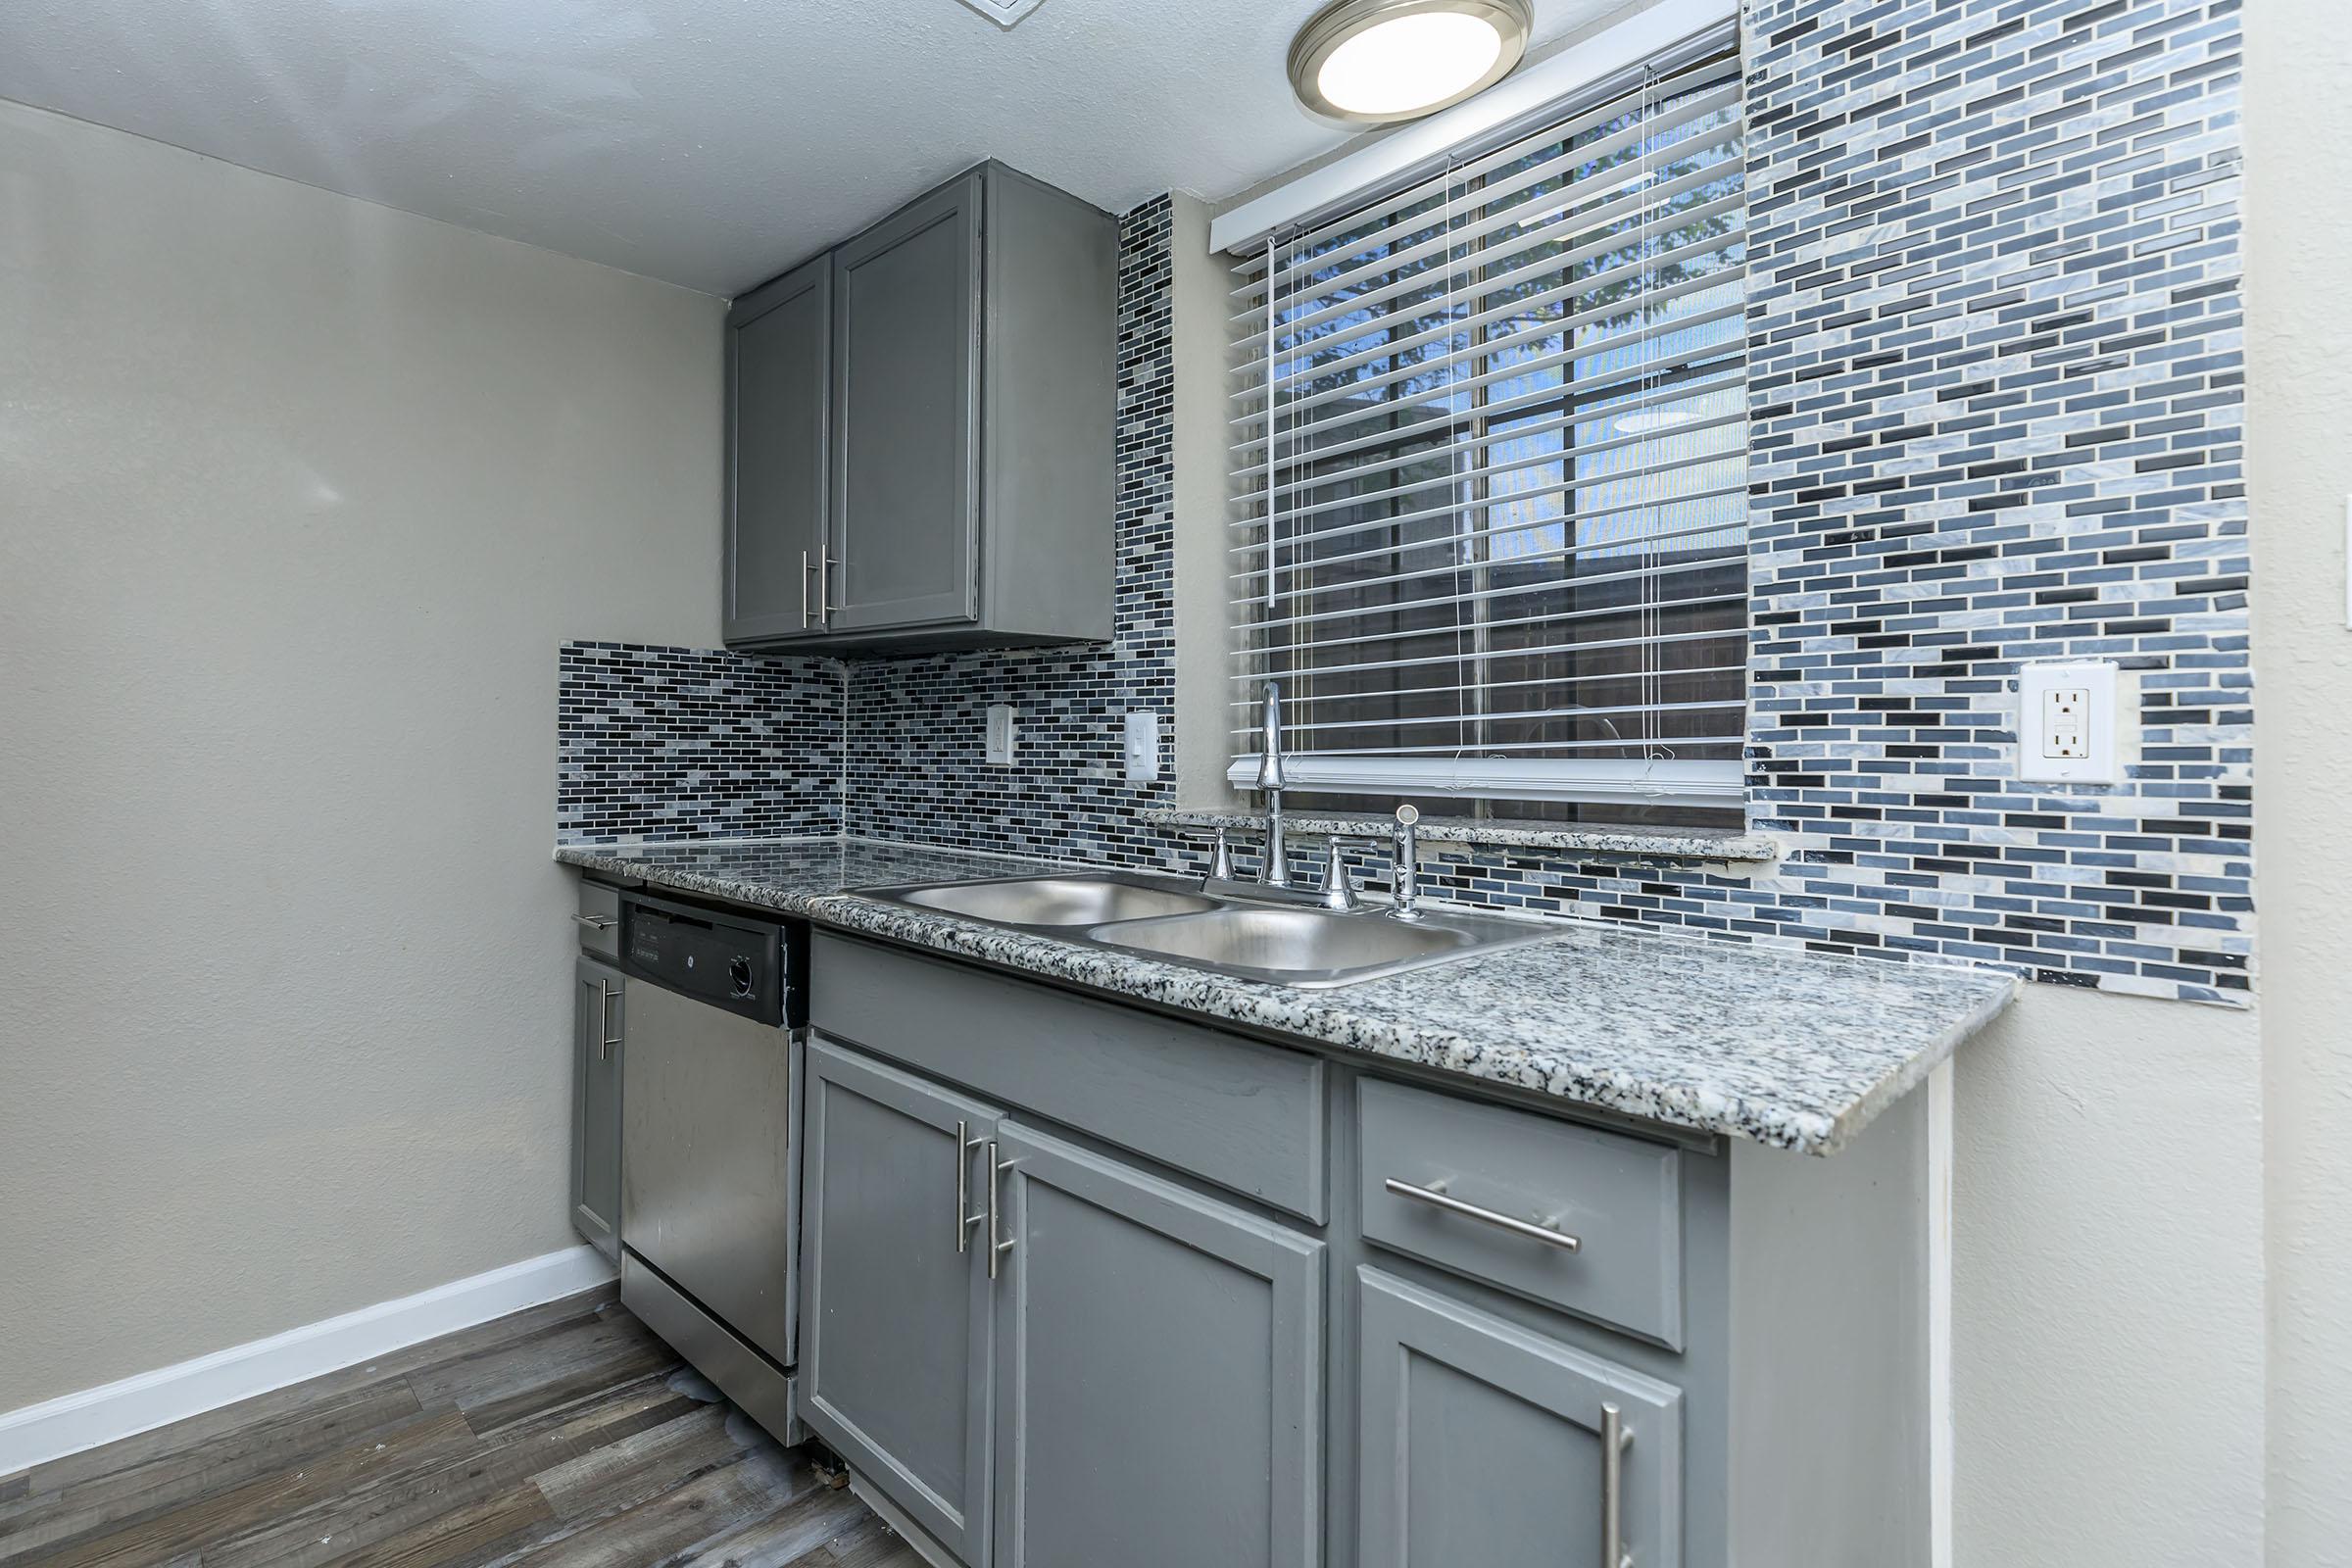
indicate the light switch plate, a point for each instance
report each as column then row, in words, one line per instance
column 1143, row 747
column 1004, row 734
column 2070, row 723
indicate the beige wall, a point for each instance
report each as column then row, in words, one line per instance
column 297, row 497
column 2107, row 1286
column 2299, row 343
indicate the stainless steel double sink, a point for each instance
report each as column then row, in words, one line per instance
column 1177, row 921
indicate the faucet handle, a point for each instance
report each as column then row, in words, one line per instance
column 1339, row 883
column 1220, row 852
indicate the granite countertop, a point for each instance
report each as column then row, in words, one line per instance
column 1794, row 1050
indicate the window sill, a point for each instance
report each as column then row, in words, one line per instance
column 1725, row 845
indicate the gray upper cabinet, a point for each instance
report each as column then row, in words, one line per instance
column 779, row 493
column 597, row 996
column 906, row 379
column 895, row 1331
column 1483, row 1441
column 1159, row 1372
column 958, row 490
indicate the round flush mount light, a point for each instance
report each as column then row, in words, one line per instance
column 1373, row 62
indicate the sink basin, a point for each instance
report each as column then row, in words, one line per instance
column 1053, row 901
column 1169, row 921
column 1310, row 946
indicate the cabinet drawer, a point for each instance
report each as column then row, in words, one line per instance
column 1244, row 1116
column 1481, row 1188
column 598, row 919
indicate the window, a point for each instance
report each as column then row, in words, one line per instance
column 1489, row 468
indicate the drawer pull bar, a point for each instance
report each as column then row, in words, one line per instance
column 1614, row 1440
column 1436, row 1197
column 595, row 922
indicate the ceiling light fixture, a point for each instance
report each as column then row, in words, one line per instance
column 1373, row 62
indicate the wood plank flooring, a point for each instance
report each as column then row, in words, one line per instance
column 567, row 1435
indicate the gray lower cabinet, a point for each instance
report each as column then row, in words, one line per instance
column 1053, row 1361
column 1255, row 1307
column 598, row 1040
column 1159, row 1372
column 1484, row 1441
column 897, row 1326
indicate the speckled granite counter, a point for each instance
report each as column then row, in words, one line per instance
column 1794, row 1050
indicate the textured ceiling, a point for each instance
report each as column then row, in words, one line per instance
column 709, row 142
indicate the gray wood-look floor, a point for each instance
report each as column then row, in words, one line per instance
column 564, row 1435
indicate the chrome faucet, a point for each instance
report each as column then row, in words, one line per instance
column 1275, row 871
column 1406, row 903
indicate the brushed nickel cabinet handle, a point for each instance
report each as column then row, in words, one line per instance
column 998, row 1243
column 595, row 922
column 1614, row 1438
column 605, row 1038
column 1436, row 1197
column 964, row 1145
column 805, row 569
column 825, row 584
column 963, row 1159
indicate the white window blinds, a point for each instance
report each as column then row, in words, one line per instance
column 1489, row 468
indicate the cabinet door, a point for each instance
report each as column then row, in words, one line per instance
column 1482, row 1443
column 597, row 1041
column 897, row 1313
column 907, row 409
column 1159, row 1373
column 779, row 372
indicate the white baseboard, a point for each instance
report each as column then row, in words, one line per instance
column 73, row 1422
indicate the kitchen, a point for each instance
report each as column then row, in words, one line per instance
column 1753, row 1045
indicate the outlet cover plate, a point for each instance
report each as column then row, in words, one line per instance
column 2070, row 726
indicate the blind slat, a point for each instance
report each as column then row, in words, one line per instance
column 1693, row 77
column 1317, row 275
column 1459, row 655
column 1487, row 272
column 1292, row 701
column 1529, row 307
column 1631, row 375
column 1284, row 536
column 1668, row 743
column 1490, row 529
column 1520, row 591
column 1484, row 266
column 1509, row 409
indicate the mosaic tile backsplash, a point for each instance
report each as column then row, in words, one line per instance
column 1996, row 397
column 683, row 743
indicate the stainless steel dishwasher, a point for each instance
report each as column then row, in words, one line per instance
column 709, row 1205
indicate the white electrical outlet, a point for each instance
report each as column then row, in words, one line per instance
column 1004, row 734
column 1143, row 747
column 2070, row 726
column 2065, row 710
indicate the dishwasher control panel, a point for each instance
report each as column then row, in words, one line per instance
column 741, row 964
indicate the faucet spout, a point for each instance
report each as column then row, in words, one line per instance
column 1275, row 873
column 1269, row 745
